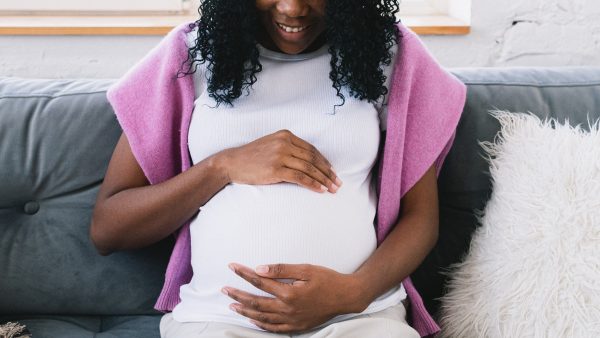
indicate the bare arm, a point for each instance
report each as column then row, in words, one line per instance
column 131, row 213
column 408, row 243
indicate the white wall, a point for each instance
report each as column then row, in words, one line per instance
column 503, row 33
column 525, row 33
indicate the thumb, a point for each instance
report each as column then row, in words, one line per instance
column 294, row 271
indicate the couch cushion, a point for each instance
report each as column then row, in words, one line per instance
column 56, row 139
column 464, row 182
column 90, row 326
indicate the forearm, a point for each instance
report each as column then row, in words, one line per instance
column 138, row 217
column 405, row 247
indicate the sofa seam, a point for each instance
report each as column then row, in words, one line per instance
column 29, row 96
column 521, row 84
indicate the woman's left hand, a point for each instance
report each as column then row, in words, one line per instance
column 316, row 295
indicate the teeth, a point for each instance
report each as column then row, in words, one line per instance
column 292, row 29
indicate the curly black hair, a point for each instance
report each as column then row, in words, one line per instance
column 360, row 34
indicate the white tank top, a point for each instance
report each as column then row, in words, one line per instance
column 284, row 222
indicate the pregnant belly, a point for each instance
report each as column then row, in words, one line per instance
column 281, row 223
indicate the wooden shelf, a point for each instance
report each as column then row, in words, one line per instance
column 436, row 25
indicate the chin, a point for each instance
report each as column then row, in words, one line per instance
column 292, row 49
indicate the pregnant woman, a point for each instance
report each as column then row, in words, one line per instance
column 292, row 148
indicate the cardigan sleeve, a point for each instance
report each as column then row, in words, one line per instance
column 150, row 102
column 434, row 100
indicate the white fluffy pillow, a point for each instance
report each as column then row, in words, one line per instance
column 533, row 269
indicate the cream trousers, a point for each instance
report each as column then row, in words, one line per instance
column 387, row 323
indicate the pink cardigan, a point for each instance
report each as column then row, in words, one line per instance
column 154, row 109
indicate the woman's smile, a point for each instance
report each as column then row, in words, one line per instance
column 290, row 29
column 293, row 34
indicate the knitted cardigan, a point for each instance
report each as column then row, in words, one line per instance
column 154, row 108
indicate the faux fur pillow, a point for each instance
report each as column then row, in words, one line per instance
column 14, row 330
column 533, row 269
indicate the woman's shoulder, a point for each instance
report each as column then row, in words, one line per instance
column 191, row 36
column 413, row 51
column 182, row 34
column 405, row 32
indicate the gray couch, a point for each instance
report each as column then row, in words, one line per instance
column 57, row 136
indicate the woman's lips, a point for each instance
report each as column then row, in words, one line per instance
column 292, row 36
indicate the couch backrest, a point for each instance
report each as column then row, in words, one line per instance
column 56, row 138
column 464, row 182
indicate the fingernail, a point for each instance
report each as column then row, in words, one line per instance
column 231, row 306
column 323, row 188
column 262, row 269
column 231, row 267
column 225, row 291
column 335, row 187
column 338, row 181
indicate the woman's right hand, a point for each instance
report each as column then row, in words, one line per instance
column 280, row 157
